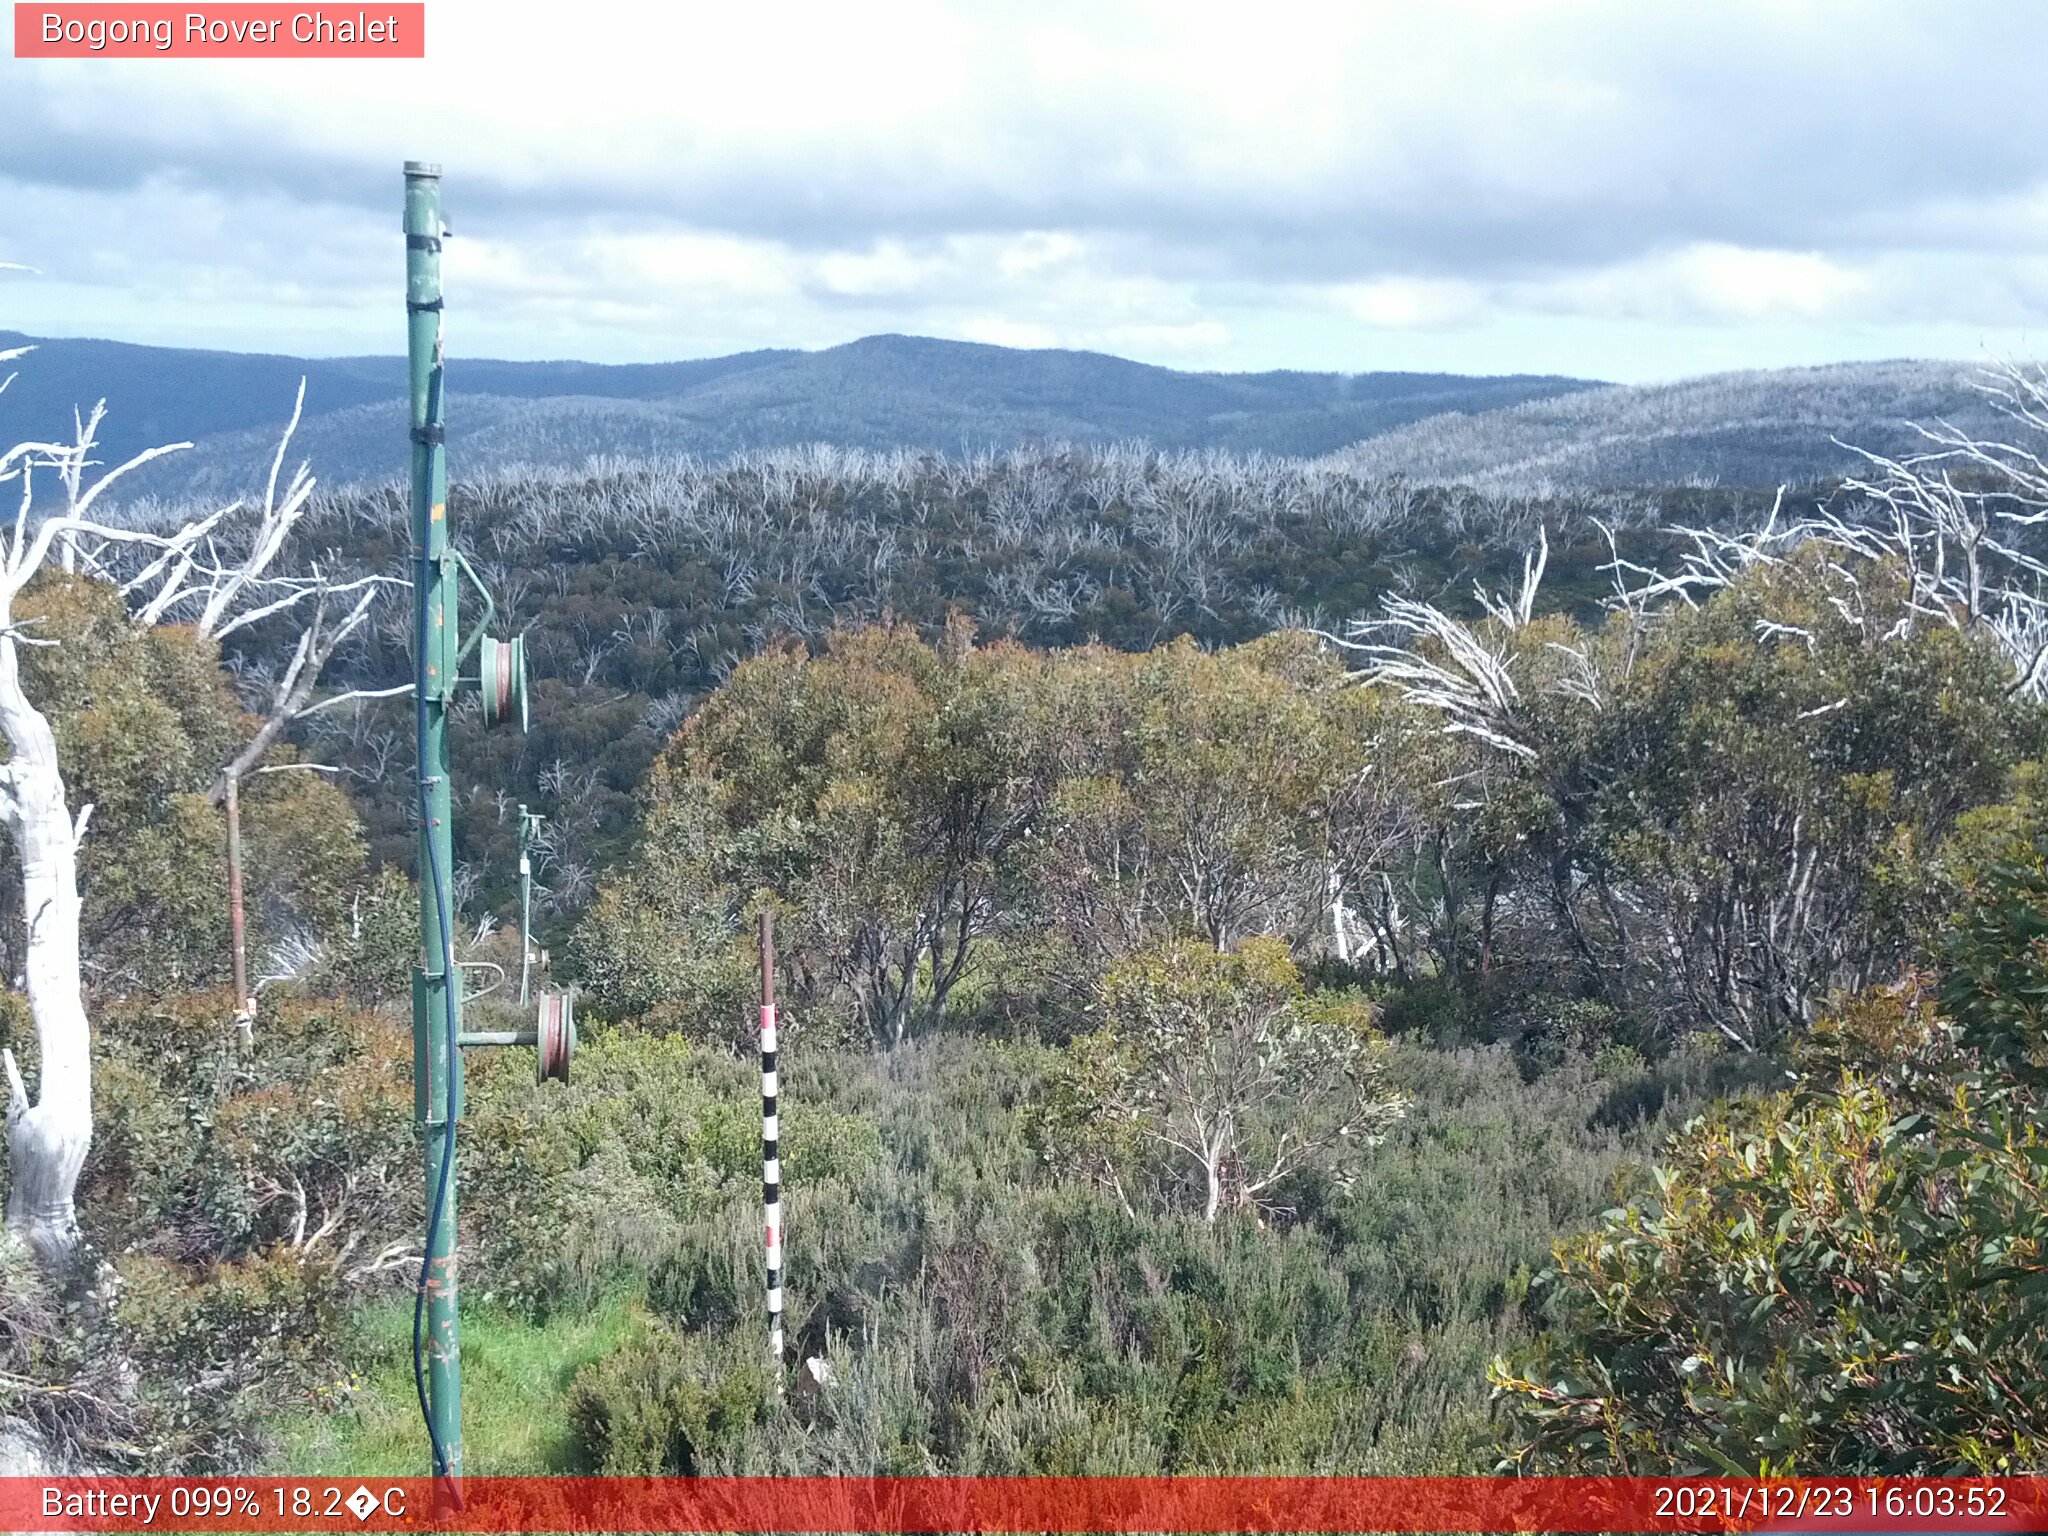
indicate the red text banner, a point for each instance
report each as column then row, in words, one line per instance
column 234, row 31
column 1046, row 1504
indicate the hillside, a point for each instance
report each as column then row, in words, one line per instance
column 1735, row 429
column 1521, row 433
column 1453, row 997
column 881, row 392
column 640, row 585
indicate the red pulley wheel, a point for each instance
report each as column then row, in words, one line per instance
column 556, row 1036
column 501, row 680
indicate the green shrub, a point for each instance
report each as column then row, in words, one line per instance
column 1436, row 1010
column 219, row 1348
column 572, row 1190
column 206, row 1149
column 982, row 1315
column 375, row 953
column 246, row 1193
column 1818, row 1286
column 665, row 1406
column 1216, row 1081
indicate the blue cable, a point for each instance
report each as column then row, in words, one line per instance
column 442, row 910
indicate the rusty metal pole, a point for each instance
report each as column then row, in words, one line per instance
column 244, row 1010
column 771, row 1159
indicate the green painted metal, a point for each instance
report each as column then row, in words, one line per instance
column 490, row 607
column 439, row 651
column 553, row 1036
column 437, row 992
column 499, row 1037
column 429, row 1100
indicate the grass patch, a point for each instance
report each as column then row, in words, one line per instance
column 515, row 1383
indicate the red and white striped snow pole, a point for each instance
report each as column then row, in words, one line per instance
column 771, row 1161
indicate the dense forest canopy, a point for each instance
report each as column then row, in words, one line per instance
column 641, row 586
column 1692, row 828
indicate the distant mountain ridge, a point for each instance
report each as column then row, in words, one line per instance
column 1519, row 433
column 1757, row 428
column 880, row 392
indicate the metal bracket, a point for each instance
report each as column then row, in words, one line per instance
column 482, row 965
column 553, row 1035
column 462, row 564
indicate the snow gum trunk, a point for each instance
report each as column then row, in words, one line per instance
column 47, row 1139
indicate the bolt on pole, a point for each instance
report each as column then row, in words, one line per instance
column 437, row 1001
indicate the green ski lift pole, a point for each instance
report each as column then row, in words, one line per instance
column 437, row 984
column 439, row 653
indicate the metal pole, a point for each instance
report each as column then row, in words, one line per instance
column 528, row 824
column 771, row 1161
column 437, row 1003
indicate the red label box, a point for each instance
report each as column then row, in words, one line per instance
column 1844, row 1506
column 375, row 30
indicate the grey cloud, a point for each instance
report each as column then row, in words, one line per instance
column 1831, row 128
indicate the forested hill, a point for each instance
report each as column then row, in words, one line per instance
column 1519, row 433
column 640, row 586
column 880, row 392
column 1757, row 428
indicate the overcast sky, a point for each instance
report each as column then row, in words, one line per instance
column 1636, row 190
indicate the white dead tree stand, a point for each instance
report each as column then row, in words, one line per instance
column 1963, row 522
column 239, row 588
column 157, row 572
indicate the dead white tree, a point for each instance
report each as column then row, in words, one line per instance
column 47, row 1138
column 1956, row 531
column 1960, row 520
column 231, row 585
column 228, row 589
column 158, row 572
column 1458, row 669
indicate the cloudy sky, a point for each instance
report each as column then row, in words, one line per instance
column 1632, row 191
